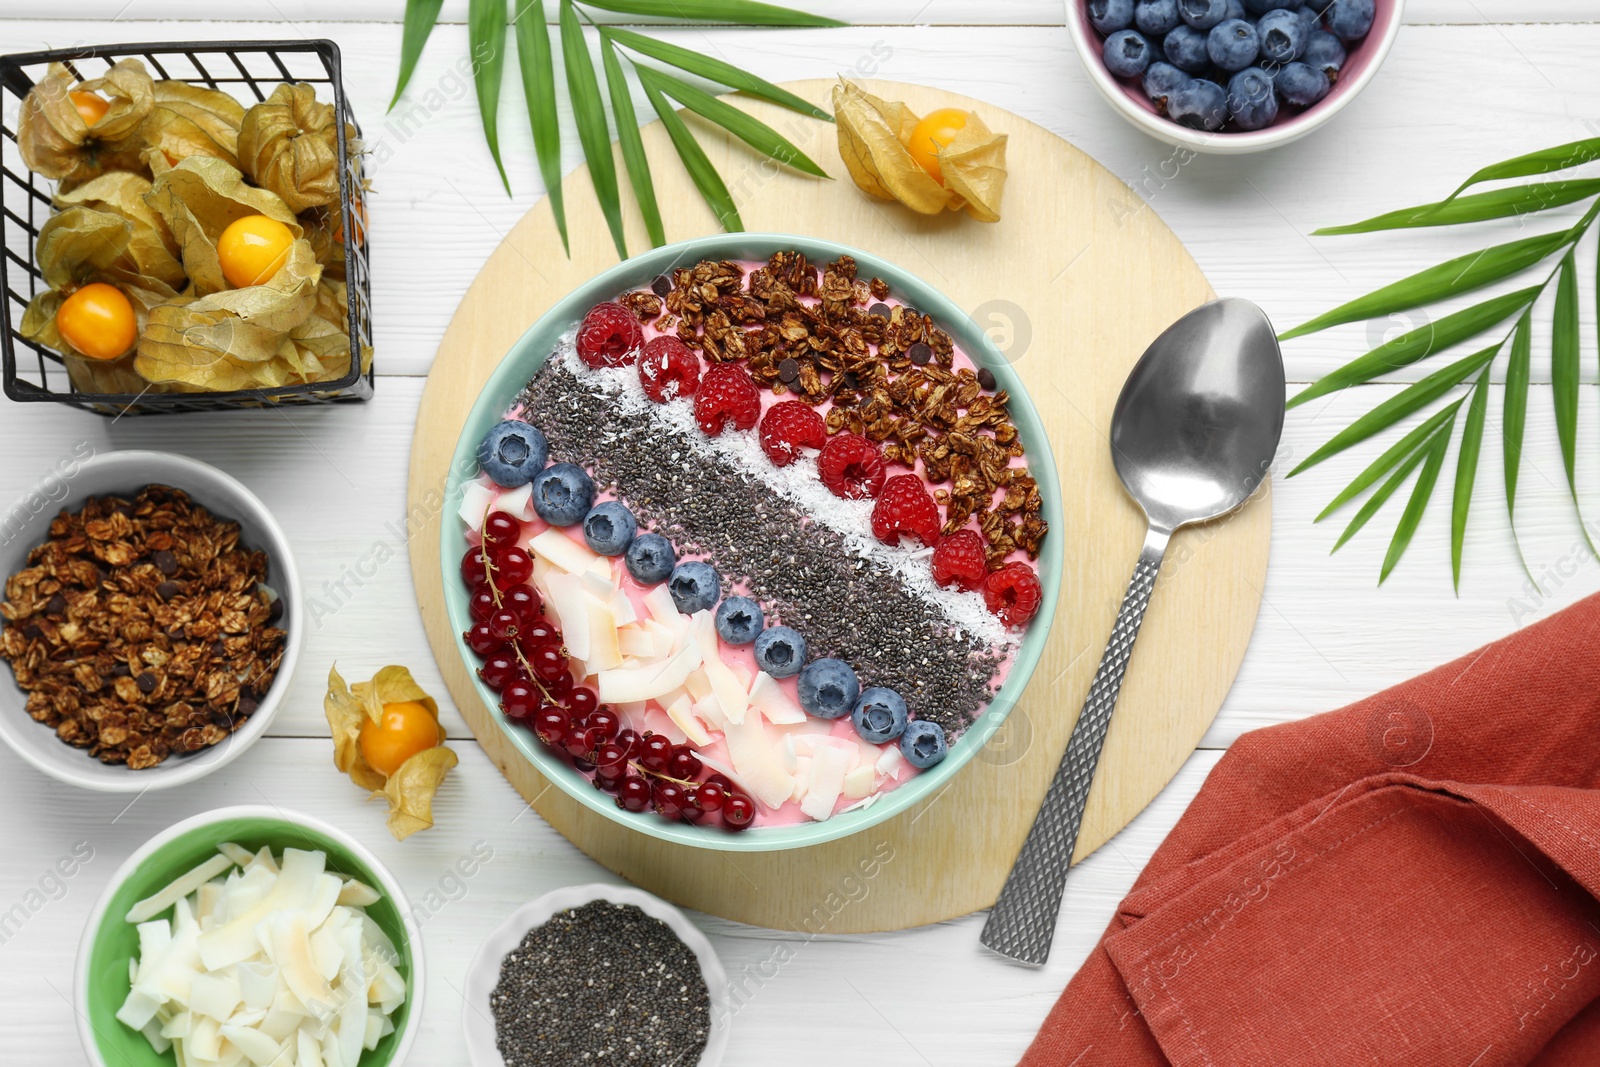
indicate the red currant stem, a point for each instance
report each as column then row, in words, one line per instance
column 663, row 777
column 483, row 554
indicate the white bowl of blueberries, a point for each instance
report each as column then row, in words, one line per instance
column 1231, row 76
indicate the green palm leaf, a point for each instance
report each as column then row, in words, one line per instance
column 1419, row 343
column 539, row 88
column 421, row 15
column 1467, row 472
column 704, row 175
column 486, row 33
column 1400, row 450
column 1475, row 207
column 1420, row 493
column 713, row 70
column 638, row 164
column 749, row 129
column 1515, row 418
column 745, row 12
column 1544, row 161
column 1454, row 277
column 1397, row 479
column 1564, row 368
column 1410, row 399
column 593, row 132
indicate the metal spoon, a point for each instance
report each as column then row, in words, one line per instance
column 1192, row 436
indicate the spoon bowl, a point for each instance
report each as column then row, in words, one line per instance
column 1200, row 416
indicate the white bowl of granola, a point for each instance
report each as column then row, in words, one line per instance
column 153, row 640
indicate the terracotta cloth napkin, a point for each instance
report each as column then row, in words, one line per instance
column 1409, row 880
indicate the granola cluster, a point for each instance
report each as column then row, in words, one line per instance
column 886, row 373
column 140, row 629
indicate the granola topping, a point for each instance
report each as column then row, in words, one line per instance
column 140, row 628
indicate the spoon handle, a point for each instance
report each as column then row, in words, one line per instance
column 1023, row 922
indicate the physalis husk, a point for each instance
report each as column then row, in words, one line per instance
column 411, row 785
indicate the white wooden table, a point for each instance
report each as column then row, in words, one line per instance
column 1469, row 82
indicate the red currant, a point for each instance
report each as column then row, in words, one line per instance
column 548, row 663
column 611, row 758
column 482, row 640
column 580, row 741
column 500, row 529
column 538, row 633
column 582, row 765
column 607, row 783
column 583, row 701
column 525, row 601
column 634, row 795
column 504, row 624
column 670, row 799
column 721, row 780
column 499, row 671
column 520, row 699
column 738, row 811
column 683, row 764
column 559, row 687
column 513, row 565
column 603, row 719
column 480, row 603
column 655, row 753
column 708, row 797
column 550, row 724
column 630, row 741
column 475, row 569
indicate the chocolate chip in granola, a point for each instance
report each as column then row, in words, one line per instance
column 146, row 683
column 920, row 354
column 247, row 704
column 56, row 606
column 167, row 590
column 166, row 562
column 881, row 310
column 986, row 378
column 119, row 670
column 274, row 612
column 661, row 286
column 788, row 371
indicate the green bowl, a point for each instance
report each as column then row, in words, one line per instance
column 109, row 942
column 529, row 354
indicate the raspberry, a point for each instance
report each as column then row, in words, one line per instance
column 851, row 466
column 905, row 507
column 1013, row 592
column 960, row 558
column 789, row 426
column 667, row 368
column 609, row 336
column 726, row 392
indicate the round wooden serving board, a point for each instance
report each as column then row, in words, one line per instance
column 1075, row 281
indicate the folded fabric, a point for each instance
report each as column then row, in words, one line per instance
column 1410, row 880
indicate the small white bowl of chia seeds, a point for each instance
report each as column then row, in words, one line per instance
column 596, row 973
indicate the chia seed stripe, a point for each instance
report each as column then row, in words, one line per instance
column 804, row 574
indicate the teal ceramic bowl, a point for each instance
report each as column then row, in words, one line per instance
column 101, row 982
column 529, row 354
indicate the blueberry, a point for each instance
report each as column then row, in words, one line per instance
column 923, row 744
column 1126, row 53
column 739, row 620
column 609, row 527
column 563, row 494
column 1233, row 45
column 1159, row 81
column 1186, row 49
column 1236, row 10
column 1283, row 37
column 1109, row 16
column 1155, row 17
column 650, row 559
column 694, row 586
column 512, row 452
column 880, row 715
column 829, row 688
column 1301, row 84
column 1257, row 8
column 780, row 651
column 1349, row 20
column 1198, row 104
column 1325, row 52
column 1252, row 103
column 1317, row 7
column 1202, row 14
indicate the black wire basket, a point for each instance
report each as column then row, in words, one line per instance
column 33, row 372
